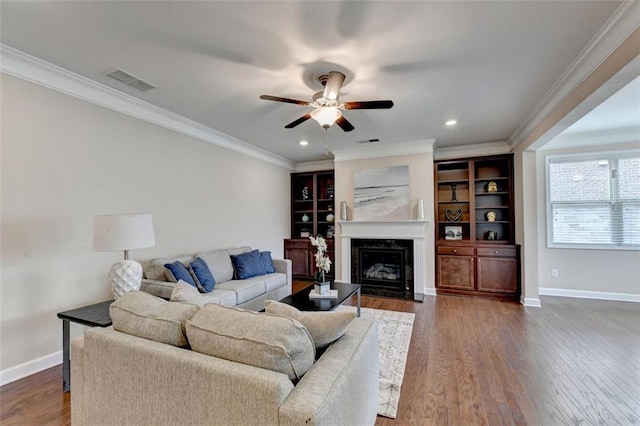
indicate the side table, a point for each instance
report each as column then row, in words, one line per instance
column 96, row 315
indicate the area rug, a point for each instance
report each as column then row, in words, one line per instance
column 394, row 333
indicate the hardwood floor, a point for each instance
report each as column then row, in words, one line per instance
column 471, row 361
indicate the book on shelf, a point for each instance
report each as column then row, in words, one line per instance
column 333, row 294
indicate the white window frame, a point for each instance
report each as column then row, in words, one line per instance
column 603, row 155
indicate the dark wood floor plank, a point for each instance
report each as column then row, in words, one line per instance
column 471, row 361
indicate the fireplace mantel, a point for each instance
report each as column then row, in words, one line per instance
column 415, row 230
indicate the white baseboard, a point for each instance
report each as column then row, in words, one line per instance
column 430, row 292
column 30, row 367
column 583, row 294
column 530, row 302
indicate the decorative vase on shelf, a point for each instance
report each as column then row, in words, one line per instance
column 305, row 218
column 330, row 217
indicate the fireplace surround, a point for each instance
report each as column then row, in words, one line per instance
column 413, row 230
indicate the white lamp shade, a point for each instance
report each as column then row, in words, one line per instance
column 113, row 232
column 326, row 116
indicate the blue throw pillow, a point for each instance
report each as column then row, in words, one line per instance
column 267, row 262
column 176, row 271
column 248, row 265
column 202, row 275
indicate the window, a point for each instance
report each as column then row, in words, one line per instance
column 593, row 201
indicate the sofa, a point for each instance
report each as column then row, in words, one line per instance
column 171, row 363
column 248, row 293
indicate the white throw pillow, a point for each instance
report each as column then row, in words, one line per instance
column 186, row 293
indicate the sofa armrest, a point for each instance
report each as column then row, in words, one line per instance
column 342, row 386
column 158, row 288
column 284, row 266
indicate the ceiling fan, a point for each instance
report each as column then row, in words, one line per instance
column 328, row 108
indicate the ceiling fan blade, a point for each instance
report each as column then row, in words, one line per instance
column 287, row 100
column 368, row 105
column 298, row 121
column 333, row 85
column 344, row 124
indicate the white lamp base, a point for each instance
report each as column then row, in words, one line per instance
column 124, row 277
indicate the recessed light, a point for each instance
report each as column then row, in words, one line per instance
column 304, row 143
column 450, row 122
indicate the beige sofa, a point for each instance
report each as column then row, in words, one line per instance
column 248, row 293
column 121, row 379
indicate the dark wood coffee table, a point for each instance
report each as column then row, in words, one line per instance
column 301, row 300
column 96, row 315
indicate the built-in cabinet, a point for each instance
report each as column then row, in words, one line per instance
column 312, row 213
column 475, row 230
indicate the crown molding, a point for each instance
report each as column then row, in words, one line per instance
column 475, row 150
column 26, row 67
column 313, row 166
column 368, row 151
column 624, row 21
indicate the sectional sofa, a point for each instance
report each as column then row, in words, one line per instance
column 172, row 363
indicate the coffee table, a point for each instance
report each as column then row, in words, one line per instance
column 96, row 315
column 301, row 300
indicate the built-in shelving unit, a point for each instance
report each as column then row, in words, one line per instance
column 312, row 213
column 475, row 250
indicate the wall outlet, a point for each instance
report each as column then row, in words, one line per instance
column 554, row 273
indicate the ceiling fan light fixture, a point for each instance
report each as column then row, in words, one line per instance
column 326, row 116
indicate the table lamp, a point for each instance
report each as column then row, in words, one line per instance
column 114, row 232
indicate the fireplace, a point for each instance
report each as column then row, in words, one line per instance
column 383, row 267
column 415, row 231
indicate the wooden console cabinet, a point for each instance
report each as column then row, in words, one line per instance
column 475, row 250
column 302, row 253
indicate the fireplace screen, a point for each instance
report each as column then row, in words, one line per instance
column 382, row 267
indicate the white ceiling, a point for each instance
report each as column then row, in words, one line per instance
column 486, row 64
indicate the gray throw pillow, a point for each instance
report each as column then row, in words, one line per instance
column 144, row 315
column 324, row 327
column 273, row 342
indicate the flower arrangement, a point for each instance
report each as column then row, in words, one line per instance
column 323, row 263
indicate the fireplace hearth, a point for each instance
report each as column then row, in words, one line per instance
column 384, row 267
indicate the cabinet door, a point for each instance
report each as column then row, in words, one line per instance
column 497, row 274
column 299, row 261
column 456, row 272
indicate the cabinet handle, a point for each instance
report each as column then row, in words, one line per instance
column 471, row 260
column 455, row 251
column 497, row 252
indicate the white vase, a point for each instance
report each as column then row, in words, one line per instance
column 322, row 288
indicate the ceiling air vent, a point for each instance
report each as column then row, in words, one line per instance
column 130, row 80
column 369, row 140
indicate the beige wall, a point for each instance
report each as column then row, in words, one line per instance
column 608, row 271
column 421, row 186
column 65, row 160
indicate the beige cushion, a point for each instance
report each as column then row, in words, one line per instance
column 186, row 293
column 245, row 289
column 143, row 315
column 219, row 264
column 324, row 327
column 273, row 342
column 156, row 269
